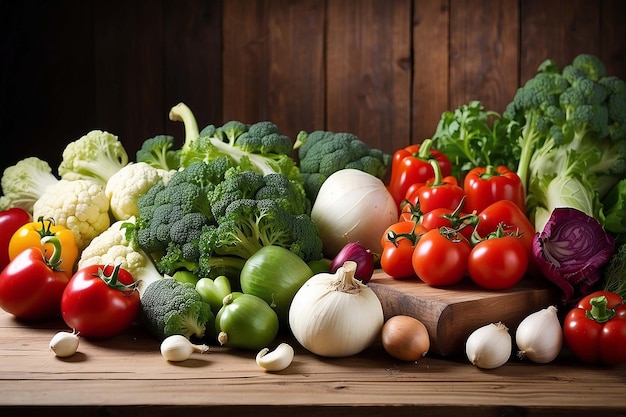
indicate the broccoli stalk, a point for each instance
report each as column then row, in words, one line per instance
column 259, row 147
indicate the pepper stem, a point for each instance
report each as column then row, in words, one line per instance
column 57, row 249
column 598, row 311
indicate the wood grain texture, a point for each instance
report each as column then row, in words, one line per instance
column 483, row 52
column 431, row 71
column 382, row 70
column 368, row 70
column 126, row 375
column 451, row 314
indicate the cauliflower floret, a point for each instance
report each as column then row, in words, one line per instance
column 111, row 247
column 80, row 205
column 127, row 184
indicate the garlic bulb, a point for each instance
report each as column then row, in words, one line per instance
column 64, row 344
column 489, row 346
column 336, row 315
column 177, row 348
column 539, row 336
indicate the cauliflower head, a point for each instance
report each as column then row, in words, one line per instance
column 126, row 185
column 80, row 205
column 113, row 248
column 95, row 156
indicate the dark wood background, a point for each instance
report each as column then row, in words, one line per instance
column 382, row 69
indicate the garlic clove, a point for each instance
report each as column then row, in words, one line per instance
column 64, row 344
column 276, row 360
column 177, row 348
column 489, row 346
column 539, row 336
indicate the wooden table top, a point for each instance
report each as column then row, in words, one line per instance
column 126, row 376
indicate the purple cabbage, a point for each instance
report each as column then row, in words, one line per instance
column 571, row 250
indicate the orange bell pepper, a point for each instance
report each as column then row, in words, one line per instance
column 30, row 235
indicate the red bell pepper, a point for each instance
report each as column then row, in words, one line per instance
column 10, row 221
column 412, row 165
column 486, row 185
column 595, row 330
column 31, row 286
column 439, row 192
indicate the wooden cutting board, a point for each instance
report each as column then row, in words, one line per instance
column 451, row 314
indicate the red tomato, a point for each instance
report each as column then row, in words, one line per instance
column 440, row 259
column 10, row 221
column 512, row 218
column 443, row 217
column 498, row 263
column 595, row 330
column 30, row 287
column 404, row 229
column 100, row 301
column 395, row 260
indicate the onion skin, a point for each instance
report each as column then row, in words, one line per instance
column 358, row 253
column 405, row 338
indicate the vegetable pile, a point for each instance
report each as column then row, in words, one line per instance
column 242, row 234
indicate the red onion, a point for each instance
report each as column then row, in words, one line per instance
column 354, row 251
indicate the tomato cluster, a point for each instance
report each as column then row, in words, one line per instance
column 39, row 280
column 446, row 232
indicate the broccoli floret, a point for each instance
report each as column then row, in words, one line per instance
column 239, row 185
column 171, row 216
column 170, row 307
column 590, row 65
column 159, row 152
column 247, row 225
column 224, row 141
column 616, row 103
column 264, row 138
column 95, row 156
column 23, row 183
column 229, row 131
column 322, row 153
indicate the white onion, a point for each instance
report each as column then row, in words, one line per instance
column 353, row 206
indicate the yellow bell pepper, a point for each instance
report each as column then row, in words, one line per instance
column 30, row 235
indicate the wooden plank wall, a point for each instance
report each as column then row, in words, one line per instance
column 382, row 69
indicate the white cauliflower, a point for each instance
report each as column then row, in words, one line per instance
column 80, row 205
column 111, row 247
column 125, row 186
column 95, row 156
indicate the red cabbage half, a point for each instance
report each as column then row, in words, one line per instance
column 571, row 250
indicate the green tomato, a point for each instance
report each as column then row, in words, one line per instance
column 213, row 291
column 275, row 274
column 185, row 276
column 320, row 265
column 246, row 321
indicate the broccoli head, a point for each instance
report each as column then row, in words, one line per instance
column 159, row 152
column 322, row 153
column 238, row 184
column 247, row 225
column 258, row 147
column 170, row 307
column 172, row 215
